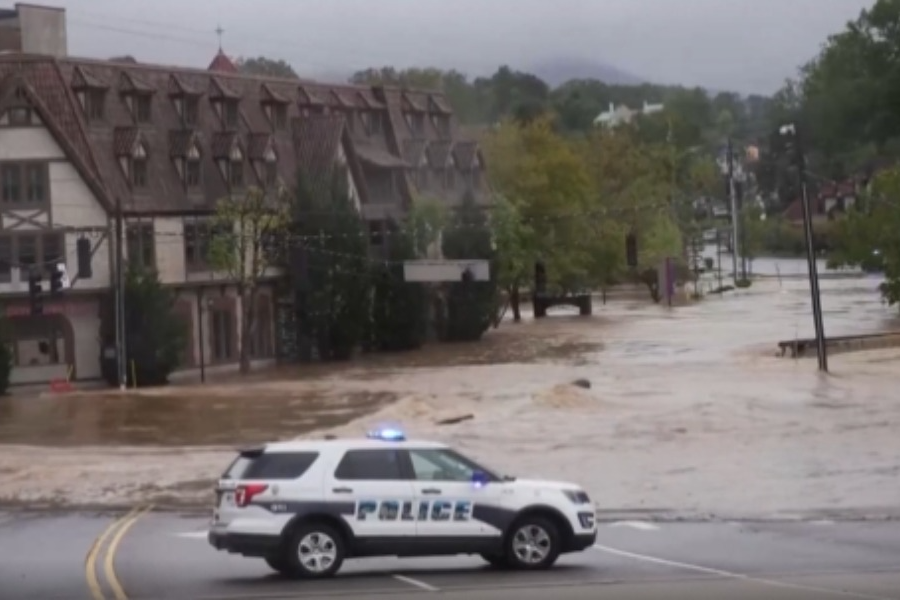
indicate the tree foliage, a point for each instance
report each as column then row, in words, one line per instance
column 155, row 336
column 247, row 232
column 868, row 236
column 399, row 308
column 470, row 305
column 266, row 67
column 334, row 301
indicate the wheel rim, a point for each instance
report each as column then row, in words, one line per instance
column 531, row 544
column 317, row 552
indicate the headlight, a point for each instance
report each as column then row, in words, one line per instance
column 577, row 496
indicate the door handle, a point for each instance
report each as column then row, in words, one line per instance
column 342, row 490
column 431, row 491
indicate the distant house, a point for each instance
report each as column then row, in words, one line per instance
column 833, row 199
column 622, row 115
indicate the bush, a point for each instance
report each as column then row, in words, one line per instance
column 154, row 335
column 743, row 283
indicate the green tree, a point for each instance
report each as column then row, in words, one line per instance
column 544, row 176
column 515, row 253
column 267, row 67
column 399, row 308
column 868, row 236
column 155, row 336
column 753, row 225
column 471, row 305
column 661, row 240
column 245, row 247
column 334, row 303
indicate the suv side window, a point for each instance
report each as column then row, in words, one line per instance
column 371, row 465
column 280, row 465
column 441, row 465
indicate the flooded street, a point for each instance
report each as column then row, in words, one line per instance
column 689, row 411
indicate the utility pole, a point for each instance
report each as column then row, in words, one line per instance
column 735, row 245
column 121, row 358
column 791, row 130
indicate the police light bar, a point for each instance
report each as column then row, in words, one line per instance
column 387, row 435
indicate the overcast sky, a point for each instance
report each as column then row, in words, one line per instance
column 744, row 45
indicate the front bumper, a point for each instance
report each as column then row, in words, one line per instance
column 581, row 541
column 245, row 544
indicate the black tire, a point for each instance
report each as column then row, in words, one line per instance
column 330, row 544
column 278, row 564
column 496, row 561
column 546, row 544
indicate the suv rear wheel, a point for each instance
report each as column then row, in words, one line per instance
column 315, row 550
column 533, row 543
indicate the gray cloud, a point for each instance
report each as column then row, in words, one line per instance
column 747, row 45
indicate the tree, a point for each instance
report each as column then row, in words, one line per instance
column 661, row 240
column 267, row 67
column 471, row 305
column 546, row 179
column 155, row 336
column 399, row 308
column 868, row 236
column 244, row 246
column 334, row 300
column 514, row 240
column 753, row 225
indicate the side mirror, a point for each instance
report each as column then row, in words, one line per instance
column 480, row 479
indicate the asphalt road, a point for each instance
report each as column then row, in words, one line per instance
column 150, row 556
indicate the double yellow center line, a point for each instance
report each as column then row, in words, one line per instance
column 114, row 532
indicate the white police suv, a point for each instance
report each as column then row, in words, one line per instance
column 305, row 506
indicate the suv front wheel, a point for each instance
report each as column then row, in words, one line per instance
column 314, row 551
column 533, row 544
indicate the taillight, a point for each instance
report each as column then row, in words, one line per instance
column 244, row 494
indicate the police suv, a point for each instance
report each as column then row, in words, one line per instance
column 305, row 506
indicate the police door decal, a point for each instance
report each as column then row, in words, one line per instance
column 396, row 510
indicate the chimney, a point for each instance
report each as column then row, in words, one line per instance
column 41, row 29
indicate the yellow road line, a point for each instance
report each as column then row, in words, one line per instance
column 90, row 563
column 108, row 566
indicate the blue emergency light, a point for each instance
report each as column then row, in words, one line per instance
column 387, row 435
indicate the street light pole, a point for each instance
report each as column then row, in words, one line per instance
column 791, row 131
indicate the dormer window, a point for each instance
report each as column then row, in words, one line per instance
column 19, row 116
column 442, row 124
column 94, row 104
column 138, row 170
column 191, row 111
column 277, row 115
column 235, row 168
column 416, row 122
column 271, row 169
column 231, row 114
column 192, row 170
column 142, row 109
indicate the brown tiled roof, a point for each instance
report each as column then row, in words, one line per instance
column 258, row 144
column 222, row 64
column 83, row 78
column 130, row 83
column 464, row 152
column 441, row 104
column 438, row 152
column 269, row 93
column 219, row 88
column 379, row 157
column 124, row 139
column 43, row 85
column 223, row 142
column 92, row 146
column 413, row 150
column 308, row 96
column 177, row 87
column 180, row 142
column 414, row 101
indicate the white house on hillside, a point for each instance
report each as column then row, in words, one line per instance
column 622, row 115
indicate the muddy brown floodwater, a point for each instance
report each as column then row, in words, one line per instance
column 277, row 403
column 688, row 413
